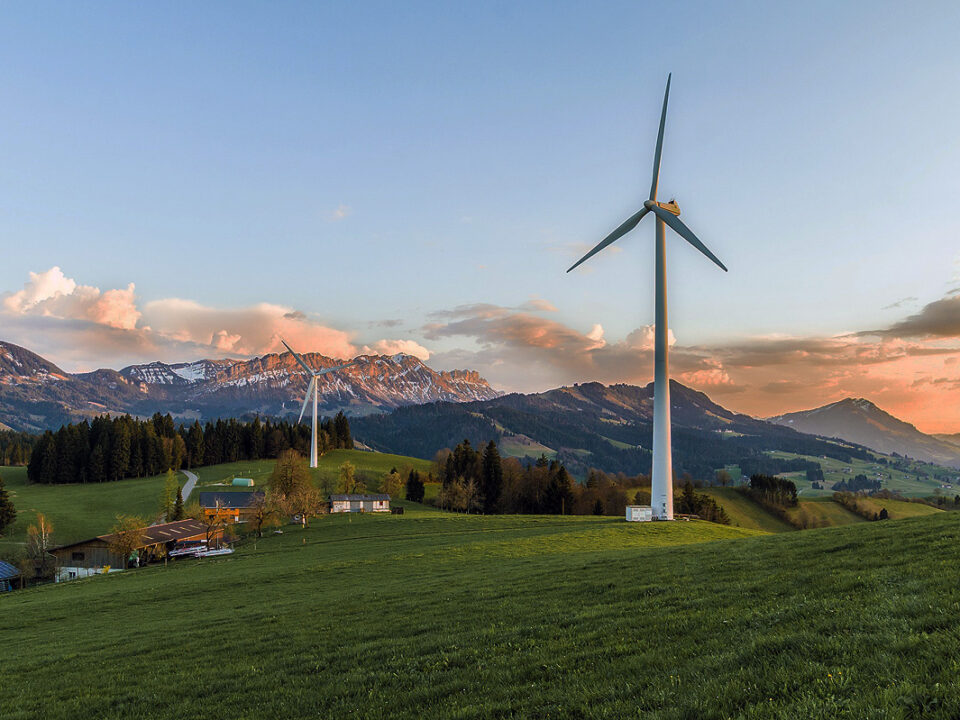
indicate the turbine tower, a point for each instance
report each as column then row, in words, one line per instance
column 666, row 214
column 312, row 390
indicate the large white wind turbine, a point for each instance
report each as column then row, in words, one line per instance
column 666, row 214
column 312, row 390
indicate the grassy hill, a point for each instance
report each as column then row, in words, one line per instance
column 83, row 511
column 745, row 513
column 429, row 615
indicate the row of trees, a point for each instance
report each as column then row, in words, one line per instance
column 112, row 448
column 15, row 447
column 483, row 482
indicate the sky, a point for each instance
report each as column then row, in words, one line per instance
column 196, row 180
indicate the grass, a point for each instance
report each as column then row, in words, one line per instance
column 745, row 513
column 79, row 512
column 429, row 615
column 824, row 512
column 899, row 509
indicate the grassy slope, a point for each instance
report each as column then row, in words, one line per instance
column 433, row 616
column 898, row 509
column 827, row 513
column 745, row 513
column 833, row 471
column 83, row 511
column 77, row 511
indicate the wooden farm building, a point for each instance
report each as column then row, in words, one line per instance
column 93, row 556
column 359, row 503
column 10, row 577
column 235, row 506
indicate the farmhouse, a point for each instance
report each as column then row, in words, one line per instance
column 95, row 556
column 359, row 503
column 230, row 506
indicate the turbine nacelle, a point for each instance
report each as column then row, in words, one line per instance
column 670, row 207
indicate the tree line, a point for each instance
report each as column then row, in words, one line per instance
column 16, row 447
column 481, row 481
column 112, row 448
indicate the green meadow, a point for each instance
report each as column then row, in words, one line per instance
column 77, row 511
column 432, row 615
column 83, row 511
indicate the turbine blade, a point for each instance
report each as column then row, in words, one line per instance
column 336, row 367
column 298, row 358
column 686, row 233
column 306, row 398
column 656, row 156
column 628, row 225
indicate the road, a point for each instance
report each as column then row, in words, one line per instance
column 191, row 481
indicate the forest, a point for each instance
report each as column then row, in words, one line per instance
column 112, row 448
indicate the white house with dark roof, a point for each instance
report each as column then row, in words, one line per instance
column 359, row 503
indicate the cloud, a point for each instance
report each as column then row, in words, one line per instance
column 901, row 302
column 52, row 294
column 392, row 347
column 340, row 213
column 82, row 326
column 940, row 318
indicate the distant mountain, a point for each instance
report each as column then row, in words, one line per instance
column 595, row 425
column 860, row 421
column 36, row 394
column 953, row 439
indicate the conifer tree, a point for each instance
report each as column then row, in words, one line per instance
column 178, row 505
column 492, row 479
column 7, row 512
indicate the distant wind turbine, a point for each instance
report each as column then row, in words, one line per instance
column 666, row 214
column 312, row 390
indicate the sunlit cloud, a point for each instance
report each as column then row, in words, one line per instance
column 341, row 212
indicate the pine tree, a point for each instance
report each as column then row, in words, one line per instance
column 7, row 512
column 492, row 480
column 178, row 505
column 414, row 487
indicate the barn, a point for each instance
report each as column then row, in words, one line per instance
column 359, row 503
column 235, row 506
column 95, row 556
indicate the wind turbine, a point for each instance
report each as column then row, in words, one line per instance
column 312, row 389
column 666, row 214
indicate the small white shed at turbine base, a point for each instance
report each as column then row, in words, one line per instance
column 359, row 503
column 639, row 513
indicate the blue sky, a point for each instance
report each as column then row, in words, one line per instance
column 370, row 162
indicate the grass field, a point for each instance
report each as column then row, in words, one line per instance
column 79, row 512
column 429, row 615
column 824, row 512
column 899, row 509
column 745, row 513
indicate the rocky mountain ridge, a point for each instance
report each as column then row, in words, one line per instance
column 36, row 394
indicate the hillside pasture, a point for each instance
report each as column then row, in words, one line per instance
column 745, row 513
column 429, row 615
column 78, row 511
column 86, row 510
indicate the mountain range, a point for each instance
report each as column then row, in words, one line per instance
column 594, row 425
column 35, row 394
column 399, row 404
column 860, row 421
